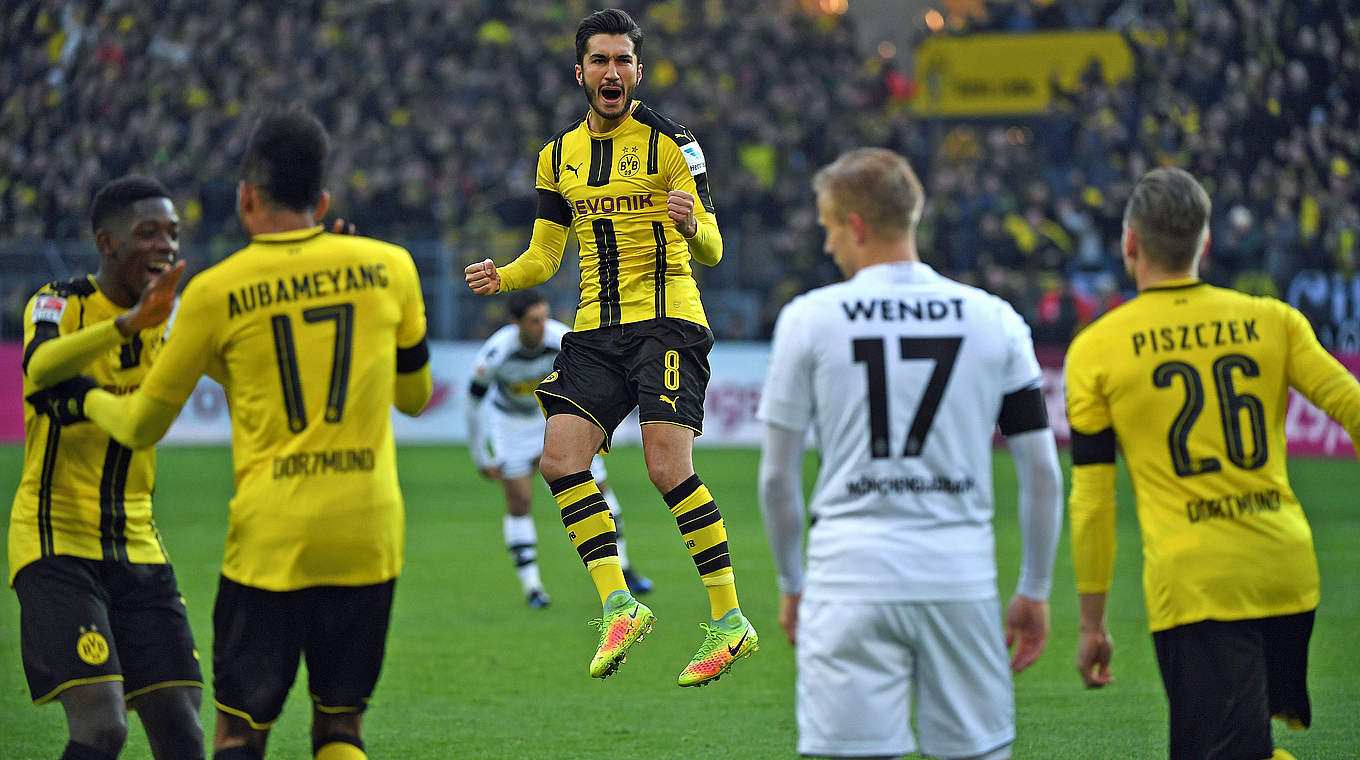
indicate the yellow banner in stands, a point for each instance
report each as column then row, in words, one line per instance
column 1001, row 74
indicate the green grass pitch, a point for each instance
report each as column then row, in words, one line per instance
column 471, row 672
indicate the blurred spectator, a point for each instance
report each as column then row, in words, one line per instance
column 434, row 104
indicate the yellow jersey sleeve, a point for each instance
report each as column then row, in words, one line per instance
column 1319, row 376
column 187, row 349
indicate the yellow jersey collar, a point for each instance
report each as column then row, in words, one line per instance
column 1183, row 282
column 291, row 236
column 626, row 122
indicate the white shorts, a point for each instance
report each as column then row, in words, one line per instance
column 517, row 444
column 858, row 662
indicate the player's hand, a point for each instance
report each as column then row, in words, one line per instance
column 788, row 616
column 65, row 401
column 680, row 207
column 1095, row 648
column 340, row 228
column 490, row 472
column 155, row 304
column 1026, row 631
column 482, row 277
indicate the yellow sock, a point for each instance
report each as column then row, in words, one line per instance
column 701, row 525
column 340, row 751
column 1280, row 754
column 591, row 530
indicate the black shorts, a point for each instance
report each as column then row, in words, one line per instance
column 659, row 367
column 1225, row 680
column 86, row 621
column 259, row 636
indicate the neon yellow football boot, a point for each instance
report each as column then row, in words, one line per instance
column 725, row 642
column 625, row 622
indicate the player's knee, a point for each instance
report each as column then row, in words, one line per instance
column 667, row 473
column 104, row 730
column 552, row 468
column 96, row 716
column 170, row 717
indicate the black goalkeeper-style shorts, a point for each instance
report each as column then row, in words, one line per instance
column 259, row 637
column 88, row 621
column 1225, row 680
column 660, row 367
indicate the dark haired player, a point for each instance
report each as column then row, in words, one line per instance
column 634, row 186
column 314, row 336
column 508, row 367
column 102, row 625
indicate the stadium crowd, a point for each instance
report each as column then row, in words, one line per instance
column 438, row 108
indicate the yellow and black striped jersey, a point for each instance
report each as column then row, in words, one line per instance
column 302, row 329
column 83, row 494
column 1193, row 382
column 611, row 189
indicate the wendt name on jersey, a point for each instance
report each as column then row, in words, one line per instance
column 897, row 310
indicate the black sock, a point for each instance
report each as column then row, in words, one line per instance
column 77, row 751
column 241, row 752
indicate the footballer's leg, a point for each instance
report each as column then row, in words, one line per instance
column 638, row 583
column 569, row 444
column 521, row 538
column 729, row 636
column 235, row 738
column 336, row 737
column 96, row 720
column 170, row 717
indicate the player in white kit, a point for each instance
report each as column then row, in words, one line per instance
column 508, row 368
column 902, row 375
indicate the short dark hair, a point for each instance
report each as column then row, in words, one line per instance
column 115, row 198
column 286, row 158
column 1169, row 210
column 607, row 21
column 522, row 300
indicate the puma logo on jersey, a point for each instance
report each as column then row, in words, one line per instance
column 574, row 169
column 670, row 401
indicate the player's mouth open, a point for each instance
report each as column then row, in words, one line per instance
column 156, row 267
column 610, row 94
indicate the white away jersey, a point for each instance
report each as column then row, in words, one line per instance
column 900, row 373
column 513, row 371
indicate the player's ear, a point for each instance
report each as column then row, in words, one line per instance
column 104, row 242
column 639, row 73
column 245, row 198
column 1130, row 242
column 858, row 226
column 323, row 204
column 580, row 79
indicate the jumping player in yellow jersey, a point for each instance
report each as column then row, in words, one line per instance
column 102, row 624
column 634, row 186
column 1192, row 381
column 314, row 337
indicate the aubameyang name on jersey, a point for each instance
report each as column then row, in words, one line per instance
column 613, row 205
column 316, row 284
column 897, row 310
column 1214, row 332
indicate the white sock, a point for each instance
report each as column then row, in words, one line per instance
column 615, row 511
column 522, row 540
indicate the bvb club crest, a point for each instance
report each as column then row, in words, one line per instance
column 628, row 161
column 92, row 647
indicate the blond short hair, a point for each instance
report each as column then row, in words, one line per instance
column 878, row 185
